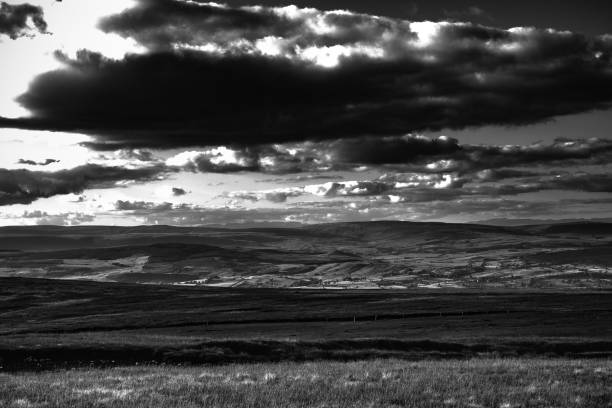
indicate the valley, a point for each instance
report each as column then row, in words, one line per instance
column 374, row 255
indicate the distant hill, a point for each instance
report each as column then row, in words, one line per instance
column 508, row 222
column 383, row 254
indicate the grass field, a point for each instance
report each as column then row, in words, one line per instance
column 495, row 383
column 90, row 344
column 51, row 324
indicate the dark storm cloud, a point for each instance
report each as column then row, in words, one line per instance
column 15, row 20
column 561, row 151
column 218, row 75
column 494, row 162
column 591, row 16
column 162, row 23
column 389, row 150
column 25, row 186
column 35, row 163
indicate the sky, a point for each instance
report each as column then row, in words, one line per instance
column 188, row 113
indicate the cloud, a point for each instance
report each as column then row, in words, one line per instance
column 476, row 11
column 561, row 151
column 523, row 182
column 527, row 183
column 579, row 181
column 398, row 188
column 339, row 154
column 34, row 214
column 35, row 163
column 135, row 154
column 409, row 153
column 65, row 219
column 274, row 196
column 350, row 210
column 216, row 75
column 19, row 20
column 121, row 205
column 385, row 185
column 193, row 215
column 458, row 209
column 161, row 23
column 219, row 160
column 389, row 150
column 301, row 178
column 492, row 161
column 25, row 186
column 176, row 191
column 44, row 218
column 490, row 175
column 354, row 208
column 471, row 13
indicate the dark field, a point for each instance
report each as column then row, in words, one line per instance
column 51, row 323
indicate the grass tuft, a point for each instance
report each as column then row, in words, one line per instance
column 496, row 383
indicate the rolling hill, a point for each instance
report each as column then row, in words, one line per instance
column 392, row 255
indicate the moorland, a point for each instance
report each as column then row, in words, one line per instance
column 372, row 255
column 342, row 315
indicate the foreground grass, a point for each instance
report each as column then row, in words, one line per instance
column 499, row 383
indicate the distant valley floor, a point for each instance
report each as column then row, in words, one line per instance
column 372, row 255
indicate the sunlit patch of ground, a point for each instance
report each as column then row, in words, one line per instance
column 84, row 269
column 498, row 383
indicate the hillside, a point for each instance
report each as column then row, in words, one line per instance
column 392, row 255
